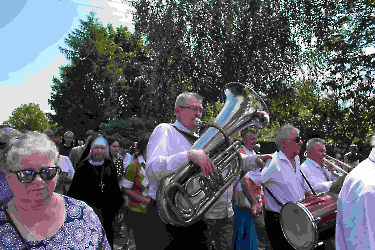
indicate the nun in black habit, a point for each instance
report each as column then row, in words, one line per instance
column 95, row 182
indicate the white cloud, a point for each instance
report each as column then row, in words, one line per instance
column 36, row 89
column 117, row 12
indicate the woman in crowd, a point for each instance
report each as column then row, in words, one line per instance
column 37, row 217
column 118, row 161
column 6, row 135
column 136, row 187
column 95, row 182
column 67, row 171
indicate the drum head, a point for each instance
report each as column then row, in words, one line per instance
column 298, row 226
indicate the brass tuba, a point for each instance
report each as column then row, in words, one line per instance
column 186, row 195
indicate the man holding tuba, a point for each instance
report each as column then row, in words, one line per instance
column 169, row 149
column 319, row 177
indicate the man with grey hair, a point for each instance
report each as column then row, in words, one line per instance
column 319, row 177
column 283, row 182
column 168, row 150
column 355, row 220
column 67, row 143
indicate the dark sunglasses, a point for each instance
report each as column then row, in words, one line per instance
column 28, row 176
column 296, row 139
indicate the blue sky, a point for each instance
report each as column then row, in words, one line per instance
column 30, row 33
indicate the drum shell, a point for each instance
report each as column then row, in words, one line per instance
column 320, row 216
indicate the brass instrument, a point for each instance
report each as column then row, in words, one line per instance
column 332, row 165
column 186, row 195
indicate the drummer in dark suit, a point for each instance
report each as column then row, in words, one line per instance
column 282, row 178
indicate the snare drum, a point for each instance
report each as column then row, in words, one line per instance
column 304, row 221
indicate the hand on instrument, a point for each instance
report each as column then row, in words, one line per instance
column 200, row 157
column 337, row 185
column 256, row 209
column 265, row 157
column 262, row 159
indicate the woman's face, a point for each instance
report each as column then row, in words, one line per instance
column 97, row 152
column 38, row 189
column 114, row 148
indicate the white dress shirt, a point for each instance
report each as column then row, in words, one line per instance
column 285, row 183
column 355, row 221
column 166, row 153
column 317, row 176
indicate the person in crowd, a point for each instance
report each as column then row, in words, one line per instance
column 95, row 182
column 352, row 158
column 320, row 178
column 129, row 156
column 37, row 217
column 283, row 182
column 67, row 171
column 76, row 152
column 116, row 157
column 67, row 143
column 114, row 151
column 355, row 221
column 248, row 198
column 136, row 187
column 48, row 132
column 6, row 135
column 168, row 150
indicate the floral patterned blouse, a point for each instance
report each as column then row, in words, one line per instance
column 81, row 230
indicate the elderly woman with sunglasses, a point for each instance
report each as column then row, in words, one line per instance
column 37, row 217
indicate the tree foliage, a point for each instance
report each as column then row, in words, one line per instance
column 202, row 45
column 102, row 81
column 29, row 117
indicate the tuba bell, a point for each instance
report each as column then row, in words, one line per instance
column 186, row 195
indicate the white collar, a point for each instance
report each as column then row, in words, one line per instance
column 372, row 155
column 96, row 163
column 313, row 163
column 141, row 159
column 182, row 127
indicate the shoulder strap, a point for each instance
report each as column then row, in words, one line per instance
column 274, row 197
column 191, row 138
column 11, row 222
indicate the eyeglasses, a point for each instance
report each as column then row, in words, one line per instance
column 28, row 175
column 200, row 110
column 296, row 139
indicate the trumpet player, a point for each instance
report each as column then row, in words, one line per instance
column 320, row 178
column 355, row 220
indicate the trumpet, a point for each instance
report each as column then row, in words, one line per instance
column 332, row 165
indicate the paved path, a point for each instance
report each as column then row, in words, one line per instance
column 262, row 236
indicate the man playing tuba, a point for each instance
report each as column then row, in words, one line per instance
column 169, row 149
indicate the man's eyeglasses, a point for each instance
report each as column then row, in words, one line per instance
column 27, row 176
column 296, row 139
column 200, row 110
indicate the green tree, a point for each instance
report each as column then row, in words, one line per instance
column 202, row 45
column 101, row 83
column 29, row 117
